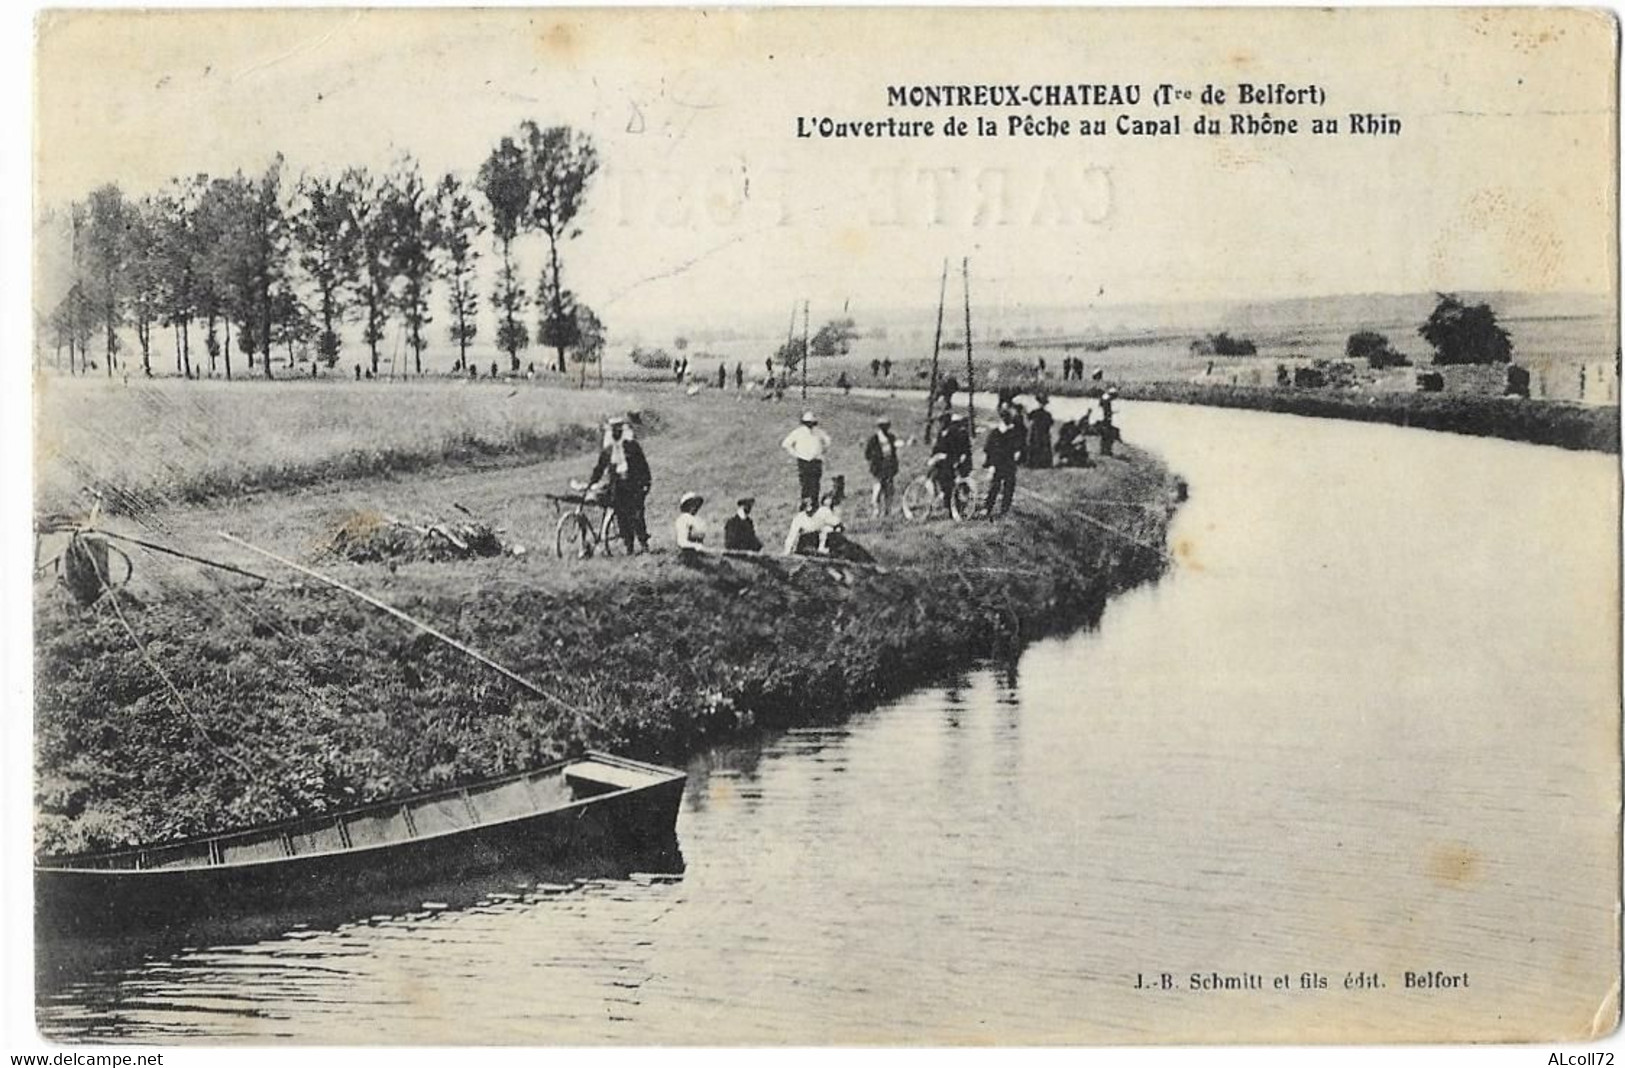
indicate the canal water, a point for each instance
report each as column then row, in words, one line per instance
column 1367, row 726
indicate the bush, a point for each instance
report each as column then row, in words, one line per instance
column 1222, row 344
column 1372, row 347
column 653, row 359
column 1465, row 333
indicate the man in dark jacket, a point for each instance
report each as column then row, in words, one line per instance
column 1003, row 451
column 953, row 442
column 623, row 465
column 881, row 453
column 1039, row 425
column 739, row 532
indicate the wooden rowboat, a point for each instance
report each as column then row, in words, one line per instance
column 591, row 807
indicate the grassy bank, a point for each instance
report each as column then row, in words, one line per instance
column 1566, row 425
column 296, row 699
column 163, row 442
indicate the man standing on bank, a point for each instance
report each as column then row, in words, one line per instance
column 1003, row 450
column 622, row 462
column 807, row 444
column 881, row 453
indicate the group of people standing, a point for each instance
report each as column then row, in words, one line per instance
column 1072, row 370
column 816, row 528
column 1019, row 438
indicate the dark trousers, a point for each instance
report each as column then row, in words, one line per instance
column 628, row 505
column 811, row 473
column 1002, row 489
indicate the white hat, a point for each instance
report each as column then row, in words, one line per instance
column 808, row 417
column 689, row 498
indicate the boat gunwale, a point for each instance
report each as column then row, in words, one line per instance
column 662, row 776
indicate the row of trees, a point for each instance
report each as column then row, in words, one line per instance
column 286, row 262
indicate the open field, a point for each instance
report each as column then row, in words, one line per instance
column 164, row 441
column 296, row 699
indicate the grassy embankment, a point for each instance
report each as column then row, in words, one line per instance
column 1539, row 422
column 168, row 442
column 297, row 699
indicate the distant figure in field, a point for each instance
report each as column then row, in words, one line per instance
column 739, row 375
column 493, row 368
column 1039, row 425
column 722, row 376
column 358, row 372
column 844, row 383
column 807, row 444
column 623, row 470
column 874, row 367
column 739, row 532
column 689, row 528
column 1001, row 453
column 880, row 451
column 1043, row 369
column 885, row 367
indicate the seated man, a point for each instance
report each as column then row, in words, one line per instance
column 1071, row 447
column 739, row 532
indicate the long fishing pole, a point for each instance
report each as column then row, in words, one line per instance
column 806, row 343
column 970, row 363
column 155, row 547
column 418, row 623
column 936, row 351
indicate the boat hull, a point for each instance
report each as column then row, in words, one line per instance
column 72, row 901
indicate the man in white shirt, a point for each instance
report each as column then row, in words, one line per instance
column 808, row 444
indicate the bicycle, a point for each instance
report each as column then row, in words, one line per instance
column 922, row 498
column 576, row 535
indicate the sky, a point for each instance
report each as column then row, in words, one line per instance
column 709, row 210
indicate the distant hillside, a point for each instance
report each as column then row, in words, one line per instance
column 1373, row 309
column 1092, row 317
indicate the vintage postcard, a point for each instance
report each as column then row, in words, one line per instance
column 762, row 527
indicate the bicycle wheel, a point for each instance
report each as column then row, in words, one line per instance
column 964, row 500
column 918, row 498
column 609, row 532
column 574, row 537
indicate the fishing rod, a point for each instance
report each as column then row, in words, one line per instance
column 426, row 628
